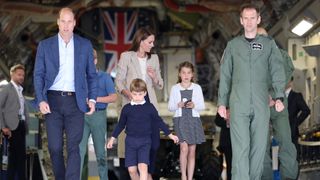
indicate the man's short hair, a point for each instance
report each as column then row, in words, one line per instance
column 16, row 67
column 249, row 6
column 138, row 85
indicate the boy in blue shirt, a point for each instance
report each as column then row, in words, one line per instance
column 139, row 118
column 96, row 124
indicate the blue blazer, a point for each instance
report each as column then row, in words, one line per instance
column 47, row 67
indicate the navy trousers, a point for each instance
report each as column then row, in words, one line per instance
column 17, row 153
column 65, row 117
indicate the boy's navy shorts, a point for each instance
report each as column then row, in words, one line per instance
column 137, row 150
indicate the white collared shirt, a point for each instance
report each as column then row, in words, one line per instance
column 175, row 98
column 65, row 78
column 137, row 103
column 19, row 90
column 287, row 92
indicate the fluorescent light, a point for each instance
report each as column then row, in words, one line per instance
column 302, row 27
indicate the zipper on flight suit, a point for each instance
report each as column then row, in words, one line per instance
column 250, row 65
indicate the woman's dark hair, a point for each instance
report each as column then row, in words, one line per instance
column 185, row 64
column 141, row 34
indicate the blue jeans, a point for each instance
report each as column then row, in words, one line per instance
column 96, row 125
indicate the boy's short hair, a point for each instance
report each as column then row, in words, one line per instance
column 138, row 85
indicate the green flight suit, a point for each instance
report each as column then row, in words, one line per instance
column 244, row 73
column 282, row 133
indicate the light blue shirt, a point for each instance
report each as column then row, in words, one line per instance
column 65, row 78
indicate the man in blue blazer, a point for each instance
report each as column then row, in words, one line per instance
column 65, row 86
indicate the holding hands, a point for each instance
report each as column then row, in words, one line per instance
column 225, row 114
column 271, row 101
column 279, row 105
column 110, row 143
column 174, row 138
column 222, row 110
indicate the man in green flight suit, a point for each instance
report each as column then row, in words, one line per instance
column 248, row 62
column 281, row 130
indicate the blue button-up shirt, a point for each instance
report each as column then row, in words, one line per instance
column 105, row 87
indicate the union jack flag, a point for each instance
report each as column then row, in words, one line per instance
column 119, row 29
column 119, row 26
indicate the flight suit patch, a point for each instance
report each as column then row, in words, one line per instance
column 256, row 46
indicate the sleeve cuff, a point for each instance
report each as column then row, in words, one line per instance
column 92, row 100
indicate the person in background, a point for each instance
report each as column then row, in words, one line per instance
column 225, row 141
column 246, row 66
column 13, row 122
column 138, row 117
column 281, row 129
column 186, row 101
column 298, row 112
column 139, row 62
column 96, row 123
column 65, row 83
